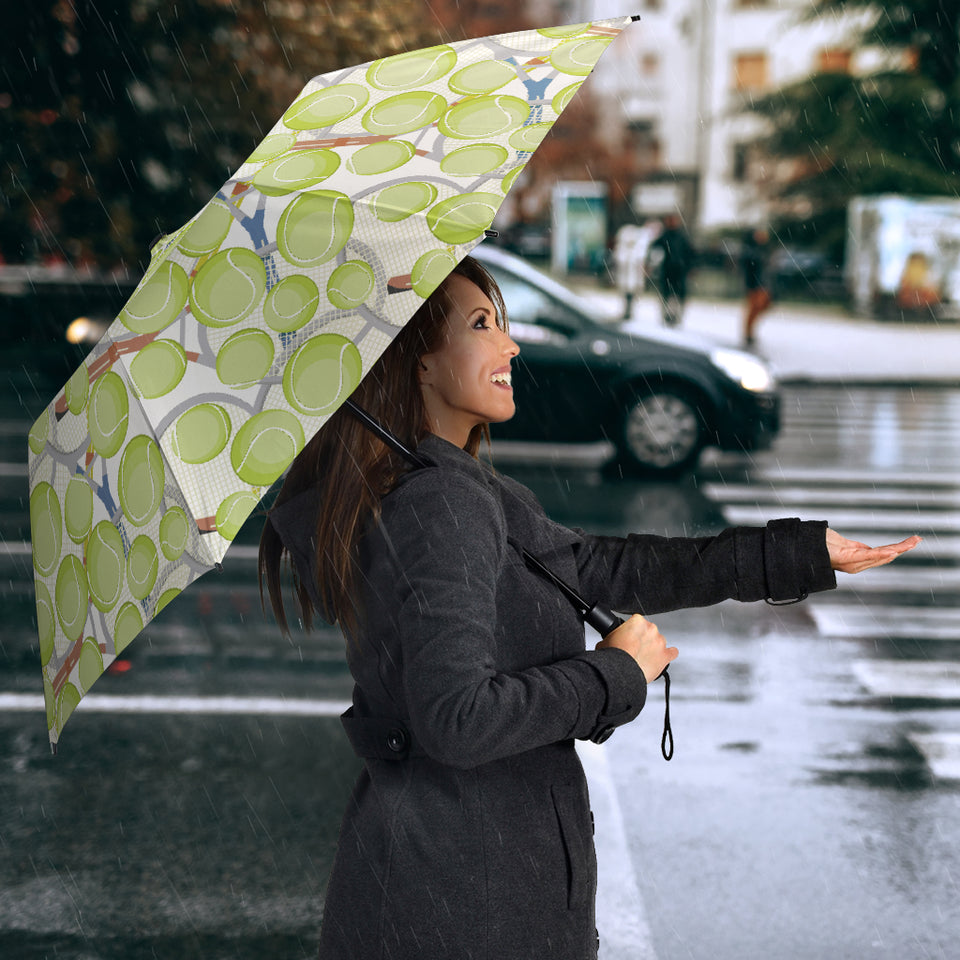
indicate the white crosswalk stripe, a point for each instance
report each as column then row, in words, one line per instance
column 915, row 601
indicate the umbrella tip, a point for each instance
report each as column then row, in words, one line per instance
column 491, row 233
column 635, row 18
column 53, row 749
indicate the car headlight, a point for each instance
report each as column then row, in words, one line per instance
column 751, row 373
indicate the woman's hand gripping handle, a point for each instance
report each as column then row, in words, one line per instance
column 644, row 642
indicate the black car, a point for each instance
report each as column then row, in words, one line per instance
column 659, row 398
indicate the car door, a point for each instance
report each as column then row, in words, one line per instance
column 555, row 380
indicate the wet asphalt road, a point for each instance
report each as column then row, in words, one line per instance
column 800, row 817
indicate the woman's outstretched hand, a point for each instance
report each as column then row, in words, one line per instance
column 644, row 642
column 849, row 556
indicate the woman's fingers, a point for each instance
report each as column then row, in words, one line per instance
column 851, row 556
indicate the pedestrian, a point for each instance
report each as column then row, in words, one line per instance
column 629, row 254
column 754, row 260
column 676, row 255
column 468, row 832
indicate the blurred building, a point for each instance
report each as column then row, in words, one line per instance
column 678, row 82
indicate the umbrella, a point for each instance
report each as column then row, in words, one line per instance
column 255, row 320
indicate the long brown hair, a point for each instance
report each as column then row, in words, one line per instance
column 353, row 470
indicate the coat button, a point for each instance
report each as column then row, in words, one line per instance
column 397, row 740
column 603, row 734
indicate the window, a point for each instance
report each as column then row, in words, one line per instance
column 650, row 64
column 750, row 72
column 741, row 162
column 535, row 317
column 834, row 60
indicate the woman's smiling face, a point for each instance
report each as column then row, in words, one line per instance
column 463, row 381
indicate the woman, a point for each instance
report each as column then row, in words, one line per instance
column 468, row 833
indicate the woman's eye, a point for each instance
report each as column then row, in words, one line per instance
column 480, row 324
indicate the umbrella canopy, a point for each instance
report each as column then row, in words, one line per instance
column 259, row 317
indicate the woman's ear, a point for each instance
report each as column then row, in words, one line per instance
column 425, row 373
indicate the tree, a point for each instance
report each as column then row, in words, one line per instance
column 119, row 119
column 894, row 129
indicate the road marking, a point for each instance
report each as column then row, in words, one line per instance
column 860, row 477
column 898, row 622
column 924, row 580
column 879, row 520
column 147, row 703
column 941, row 751
column 910, row 679
column 829, row 497
column 621, row 915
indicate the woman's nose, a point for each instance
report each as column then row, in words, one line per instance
column 510, row 347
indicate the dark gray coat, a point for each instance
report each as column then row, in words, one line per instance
column 476, row 844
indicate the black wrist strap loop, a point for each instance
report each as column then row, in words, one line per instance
column 667, row 738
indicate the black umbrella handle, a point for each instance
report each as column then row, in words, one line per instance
column 605, row 621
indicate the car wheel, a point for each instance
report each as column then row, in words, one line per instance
column 661, row 432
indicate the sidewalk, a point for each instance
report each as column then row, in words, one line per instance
column 808, row 342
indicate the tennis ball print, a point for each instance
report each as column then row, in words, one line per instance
column 429, row 271
column 291, row 303
column 46, row 528
column 326, row 107
column 350, row 284
column 228, row 287
column 322, row 374
column 418, row 68
column 208, row 231
column 127, row 625
column 67, row 703
column 46, row 622
column 272, row 146
column 404, row 112
column 402, row 200
column 76, row 390
column 142, row 567
column 233, row 511
column 578, row 56
column 244, row 360
column 90, row 665
column 37, row 438
column 462, row 218
column 71, row 596
column 474, row 160
column 378, row 158
column 528, row 138
column 141, row 479
column 107, row 413
column 174, row 530
column 200, row 433
column 484, row 118
column 105, row 564
column 563, row 98
column 265, row 445
column 78, row 509
column 314, row 227
column 482, row 78
column 297, row 170
column 158, row 301
column 157, row 368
